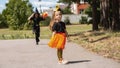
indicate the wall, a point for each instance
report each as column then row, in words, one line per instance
column 73, row 18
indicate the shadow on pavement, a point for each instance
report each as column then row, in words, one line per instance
column 81, row 61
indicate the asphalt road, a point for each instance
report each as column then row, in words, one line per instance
column 25, row 54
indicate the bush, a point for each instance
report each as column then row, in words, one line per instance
column 89, row 20
column 83, row 20
column 3, row 23
column 67, row 21
column 88, row 11
column 28, row 26
column 45, row 22
column 66, row 11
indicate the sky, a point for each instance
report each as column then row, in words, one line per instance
column 45, row 4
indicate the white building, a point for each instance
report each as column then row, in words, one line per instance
column 76, row 8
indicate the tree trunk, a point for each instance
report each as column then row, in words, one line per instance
column 119, row 10
column 94, row 15
column 115, row 18
column 105, row 11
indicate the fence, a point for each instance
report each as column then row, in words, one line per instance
column 73, row 18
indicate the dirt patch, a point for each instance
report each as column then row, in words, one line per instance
column 103, row 43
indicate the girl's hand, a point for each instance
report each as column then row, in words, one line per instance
column 53, row 34
column 68, row 38
column 66, row 33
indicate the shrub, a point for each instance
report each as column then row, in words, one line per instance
column 3, row 23
column 45, row 22
column 28, row 26
column 83, row 20
column 66, row 11
column 88, row 11
column 67, row 21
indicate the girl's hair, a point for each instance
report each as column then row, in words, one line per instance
column 52, row 21
column 53, row 18
column 36, row 13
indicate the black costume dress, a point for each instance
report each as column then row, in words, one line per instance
column 36, row 28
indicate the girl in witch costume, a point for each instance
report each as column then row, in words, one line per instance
column 59, row 34
column 36, row 18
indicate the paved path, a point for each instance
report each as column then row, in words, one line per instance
column 25, row 54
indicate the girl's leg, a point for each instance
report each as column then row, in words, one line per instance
column 36, row 38
column 60, row 54
column 37, row 35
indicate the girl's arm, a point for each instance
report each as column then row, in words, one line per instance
column 68, row 38
column 66, row 33
column 29, row 18
column 54, row 32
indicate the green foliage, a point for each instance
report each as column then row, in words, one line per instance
column 16, row 13
column 88, row 19
column 83, row 20
column 88, row 11
column 67, row 21
column 68, row 1
column 28, row 26
column 45, row 22
column 3, row 23
column 45, row 32
column 15, row 36
column 66, row 11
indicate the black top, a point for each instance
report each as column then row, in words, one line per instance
column 59, row 27
column 36, row 21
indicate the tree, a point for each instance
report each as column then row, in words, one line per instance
column 115, row 15
column 17, row 12
column 95, row 12
column 3, row 23
column 95, row 4
column 66, row 10
column 110, row 14
column 105, row 14
column 69, row 2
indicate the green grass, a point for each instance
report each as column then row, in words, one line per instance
column 78, row 28
column 15, row 34
column 45, row 32
column 104, row 43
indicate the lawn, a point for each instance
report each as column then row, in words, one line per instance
column 104, row 43
column 45, row 32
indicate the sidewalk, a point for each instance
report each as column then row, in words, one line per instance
column 25, row 54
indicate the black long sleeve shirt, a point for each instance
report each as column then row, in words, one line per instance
column 59, row 27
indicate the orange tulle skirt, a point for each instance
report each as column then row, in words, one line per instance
column 58, row 41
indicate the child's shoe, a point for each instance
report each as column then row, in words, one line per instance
column 63, row 62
